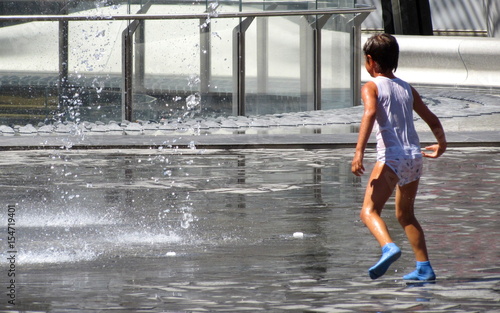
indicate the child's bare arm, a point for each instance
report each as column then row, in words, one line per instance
column 434, row 124
column 369, row 96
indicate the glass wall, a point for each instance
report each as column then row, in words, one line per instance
column 181, row 60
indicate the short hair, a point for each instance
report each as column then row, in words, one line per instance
column 384, row 50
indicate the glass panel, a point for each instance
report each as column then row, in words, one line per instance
column 94, row 81
column 30, row 69
column 171, row 6
column 219, row 96
column 336, row 63
column 336, row 4
column 278, row 75
column 188, row 66
column 172, row 67
column 182, row 68
column 28, row 72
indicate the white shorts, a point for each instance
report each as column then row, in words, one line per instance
column 407, row 170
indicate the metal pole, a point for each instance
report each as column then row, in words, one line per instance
column 320, row 22
column 140, row 16
column 316, row 37
column 239, row 66
column 63, row 60
column 311, row 59
column 205, row 57
column 306, row 50
column 356, row 57
column 127, row 62
column 63, row 63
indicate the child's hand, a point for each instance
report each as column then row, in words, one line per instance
column 437, row 151
column 357, row 167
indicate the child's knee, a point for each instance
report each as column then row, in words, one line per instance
column 366, row 214
column 405, row 218
column 362, row 216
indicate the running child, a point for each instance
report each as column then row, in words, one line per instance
column 389, row 103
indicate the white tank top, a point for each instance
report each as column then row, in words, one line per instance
column 396, row 134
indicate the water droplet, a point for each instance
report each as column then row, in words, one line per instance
column 298, row 234
column 101, row 33
column 192, row 101
column 187, row 218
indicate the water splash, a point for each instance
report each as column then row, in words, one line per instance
column 194, row 80
column 212, row 9
column 192, row 145
column 211, row 12
column 192, row 105
column 187, row 217
column 145, row 237
column 75, row 217
column 193, row 101
column 56, row 255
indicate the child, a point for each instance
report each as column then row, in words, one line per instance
column 388, row 104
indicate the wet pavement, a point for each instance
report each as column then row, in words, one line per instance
column 204, row 219
column 188, row 230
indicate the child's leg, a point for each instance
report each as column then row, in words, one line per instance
column 405, row 199
column 378, row 190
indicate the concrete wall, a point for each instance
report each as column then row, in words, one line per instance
column 448, row 61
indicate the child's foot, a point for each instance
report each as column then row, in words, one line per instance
column 423, row 272
column 390, row 253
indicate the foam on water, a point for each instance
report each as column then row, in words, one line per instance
column 61, row 235
column 74, row 248
column 63, row 245
column 76, row 217
column 147, row 237
column 55, row 255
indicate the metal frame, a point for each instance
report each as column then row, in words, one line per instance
column 128, row 62
column 316, row 23
column 317, row 16
column 357, row 54
column 239, row 66
column 32, row 18
column 63, row 62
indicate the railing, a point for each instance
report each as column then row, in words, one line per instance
column 316, row 18
column 361, row 9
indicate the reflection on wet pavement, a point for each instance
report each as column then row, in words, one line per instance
column 196, row 231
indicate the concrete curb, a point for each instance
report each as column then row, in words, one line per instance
column 298, row 141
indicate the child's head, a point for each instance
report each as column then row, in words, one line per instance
column 384, row 50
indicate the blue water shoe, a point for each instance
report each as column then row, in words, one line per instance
column 423, row 272
column 390, row 253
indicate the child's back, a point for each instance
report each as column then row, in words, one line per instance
column 396, row 134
